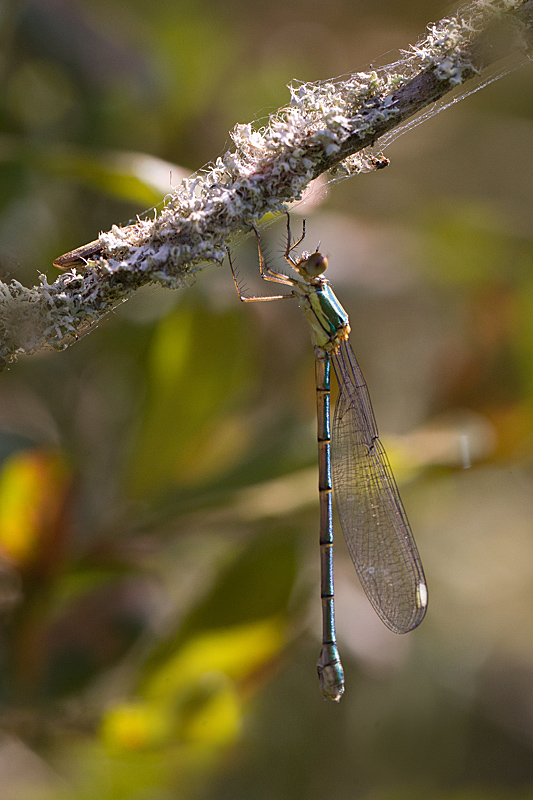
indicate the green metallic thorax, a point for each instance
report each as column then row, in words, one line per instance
column 328, row 319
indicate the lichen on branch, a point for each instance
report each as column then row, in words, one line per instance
column 327, row 126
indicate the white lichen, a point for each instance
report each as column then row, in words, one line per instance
column 325, row 125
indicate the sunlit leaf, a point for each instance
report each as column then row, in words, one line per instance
column 233, row 651
column 32, row 489
column 136, row 725
column 199, row 369
column 134, row 177
column 237, row 629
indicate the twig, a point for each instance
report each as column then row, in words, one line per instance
column 327, row 126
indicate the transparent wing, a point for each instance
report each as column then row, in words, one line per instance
column 372, row 516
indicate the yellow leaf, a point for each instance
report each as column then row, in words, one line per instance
column 31, row 490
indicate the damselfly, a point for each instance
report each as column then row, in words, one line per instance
column 371, row 512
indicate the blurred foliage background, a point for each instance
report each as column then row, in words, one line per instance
column 158, row 502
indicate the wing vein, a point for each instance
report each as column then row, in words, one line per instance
column 372, row 516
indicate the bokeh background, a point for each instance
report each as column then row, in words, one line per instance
column 158, row 503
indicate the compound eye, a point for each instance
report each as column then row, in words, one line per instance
column 315, row 264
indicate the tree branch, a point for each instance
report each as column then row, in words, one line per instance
column 327, row 126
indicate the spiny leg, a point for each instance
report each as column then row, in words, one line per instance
column 256, row 298
column 267, row 273
column 290, row 247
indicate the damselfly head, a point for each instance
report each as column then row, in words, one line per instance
column 311, row 266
